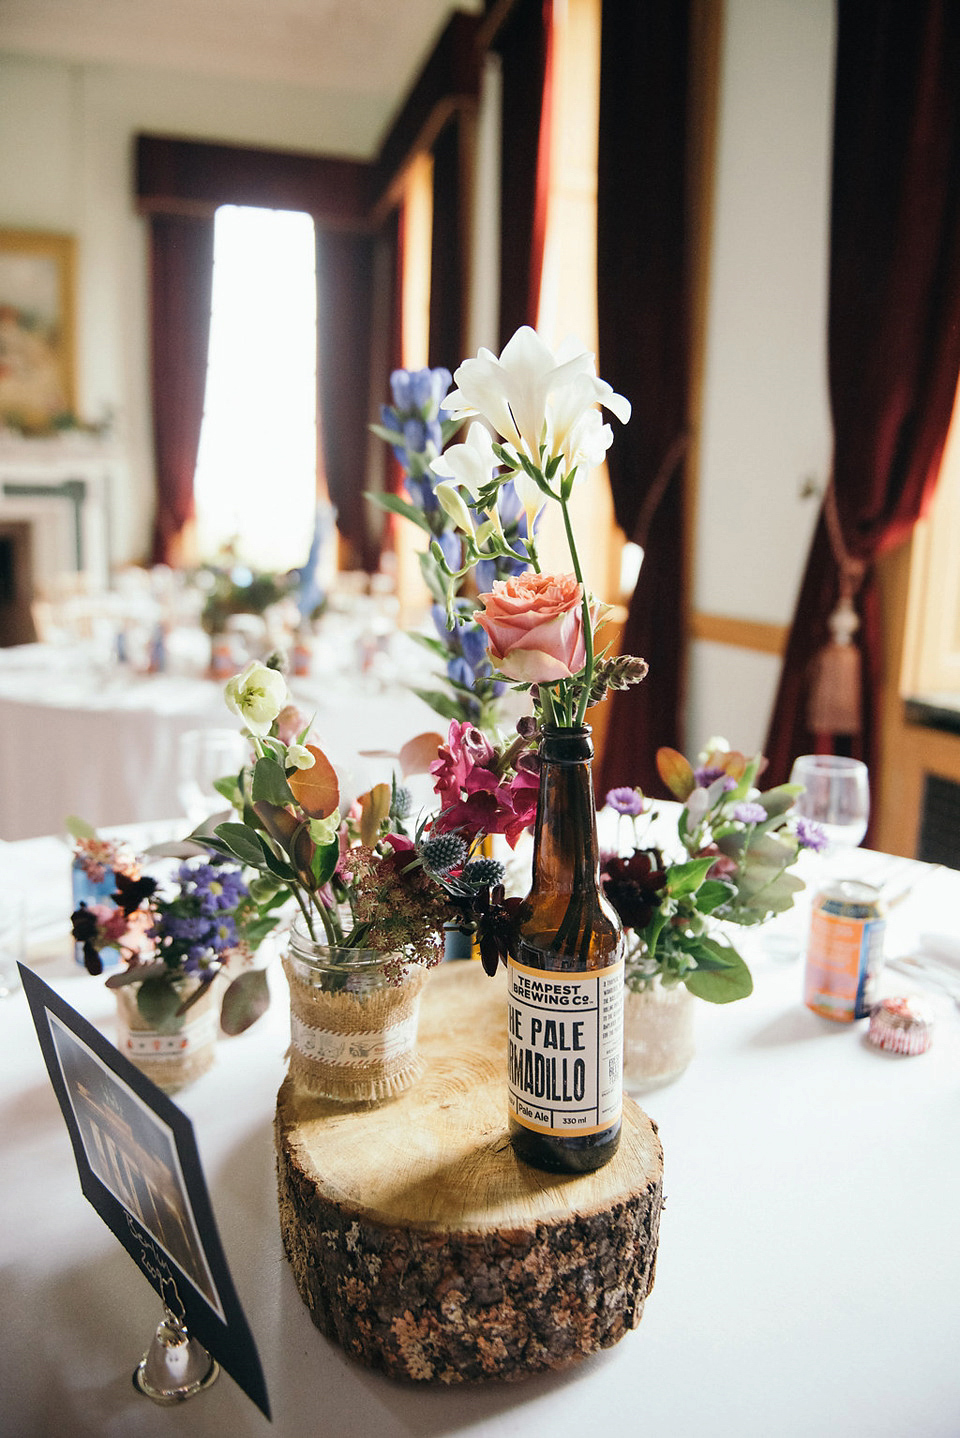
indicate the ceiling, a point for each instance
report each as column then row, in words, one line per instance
column 362, row 46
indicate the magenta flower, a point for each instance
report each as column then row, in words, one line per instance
column 475, row 797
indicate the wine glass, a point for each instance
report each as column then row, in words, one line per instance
column 203, row 756
column 836, row 796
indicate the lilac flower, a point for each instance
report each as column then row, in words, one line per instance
column 626, row 801
column 811, row 836
column 748, row 812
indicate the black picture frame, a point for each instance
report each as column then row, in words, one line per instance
column 139, row 1168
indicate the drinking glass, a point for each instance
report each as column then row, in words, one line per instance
column 205, row 755
column 836, row 796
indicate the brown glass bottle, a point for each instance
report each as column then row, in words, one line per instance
column 566, row 984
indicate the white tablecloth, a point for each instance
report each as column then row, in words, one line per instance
column 101, row 743
column 808, row 1272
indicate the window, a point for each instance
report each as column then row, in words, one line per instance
column 932, row 651
column 256, row 480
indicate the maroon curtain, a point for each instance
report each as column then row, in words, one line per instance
column 642, row 297
column 449, row 244
column 894, row 327
column 181, row 283
column 344, row 320
column 525, row 45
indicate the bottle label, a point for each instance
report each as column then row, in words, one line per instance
column 565, row 1048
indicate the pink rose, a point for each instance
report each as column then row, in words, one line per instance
column 535, row 626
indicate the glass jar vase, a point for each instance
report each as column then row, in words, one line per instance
column 354, row 1015
column 182, row 1052
column 657, row 1034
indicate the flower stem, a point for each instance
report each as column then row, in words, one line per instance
column 587, row 618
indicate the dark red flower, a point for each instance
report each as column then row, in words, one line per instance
column 131, row 893
column 635, row 886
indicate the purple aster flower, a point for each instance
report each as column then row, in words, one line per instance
column 626, row 801
column 706, row 777
column 811, row 836
column 749, row 813
column 224, row 935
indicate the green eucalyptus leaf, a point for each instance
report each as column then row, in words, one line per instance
column 255, row 932
column 442, row 704
column 244, row 1001
column 325, row 860
column 723, row 984
column 392, row 436
column 270, row 784
column 712, row 893
column 243, row 843
column 135, row 975
column 229, row 788
column 683, row 879
column 427, row 641
column 395, row 505
column 178, row 849
column 157, row 1002
column 78, row 828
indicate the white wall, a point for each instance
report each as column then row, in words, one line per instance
column 66, row 165
column 765, row 425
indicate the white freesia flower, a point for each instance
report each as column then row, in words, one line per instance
column 575, row 426
column 524, row 394
column 299, row 756
column 470, row 464
column 451, row 502
column 257, row 695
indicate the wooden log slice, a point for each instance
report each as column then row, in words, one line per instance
column 422, row 1245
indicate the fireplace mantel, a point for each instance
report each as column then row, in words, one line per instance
column 60, row 488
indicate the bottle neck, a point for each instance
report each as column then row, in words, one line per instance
column 566, row 854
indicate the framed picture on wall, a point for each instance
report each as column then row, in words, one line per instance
column 37, row 391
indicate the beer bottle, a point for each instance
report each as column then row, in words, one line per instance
column 566, row 985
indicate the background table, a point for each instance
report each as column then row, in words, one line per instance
column 100, row 741
column 807, row 1280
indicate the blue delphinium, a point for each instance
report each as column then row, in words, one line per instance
column 417, row 428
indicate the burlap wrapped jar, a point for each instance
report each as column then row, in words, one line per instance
column 353, row 1023
column 172, row 1059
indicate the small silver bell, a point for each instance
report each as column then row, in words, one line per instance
column 175, row 1366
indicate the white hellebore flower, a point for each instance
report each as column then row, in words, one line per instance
column 324, row 831
column 469, row 465
column 299, row 756
column 257, row 695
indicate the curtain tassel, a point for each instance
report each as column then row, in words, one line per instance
column 834, row 701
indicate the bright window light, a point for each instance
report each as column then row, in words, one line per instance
column 255, row 482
